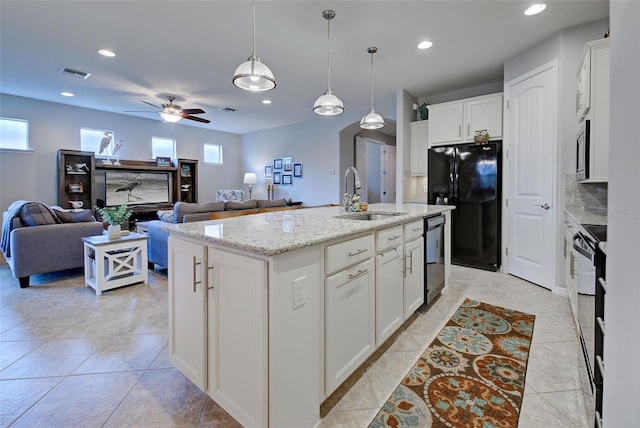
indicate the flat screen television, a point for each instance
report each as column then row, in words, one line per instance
column 137, row 187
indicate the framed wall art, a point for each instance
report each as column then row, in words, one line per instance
column 297, row 170
column 277, row 164
column 286, row 178
column 287, row 163
column 268, row 171
column 276, row 177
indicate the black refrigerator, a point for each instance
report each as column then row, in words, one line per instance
column 469, row 176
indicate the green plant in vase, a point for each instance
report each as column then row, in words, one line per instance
column 115, row 217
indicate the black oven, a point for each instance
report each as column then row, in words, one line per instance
column 582, row 150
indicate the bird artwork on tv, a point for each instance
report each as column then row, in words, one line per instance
column 136, row 187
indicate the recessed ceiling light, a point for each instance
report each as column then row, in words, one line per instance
column 425, row 45
column 535, row 9
column 106, row 52
column 266, row 101
column 66, row 94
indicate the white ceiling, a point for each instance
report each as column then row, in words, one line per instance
column 190, row 49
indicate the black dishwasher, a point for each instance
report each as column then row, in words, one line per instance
column 434, row 258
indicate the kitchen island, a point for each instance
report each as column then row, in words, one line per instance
column 270, row 313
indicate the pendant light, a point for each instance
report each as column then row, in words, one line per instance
column 328, row 104
column 252, row 75
column 372, row 120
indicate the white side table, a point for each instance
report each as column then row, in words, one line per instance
column 112, row 263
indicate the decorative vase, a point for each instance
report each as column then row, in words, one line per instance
column 114, row 231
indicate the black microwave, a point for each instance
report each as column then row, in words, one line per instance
column 582, row 150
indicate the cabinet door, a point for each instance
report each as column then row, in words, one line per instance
column 389, row 293
column 583, row 96
column 414, row 276
column 419, row 147
column 349, row 322
column 445, row 123
column 483, row 113
column 187, row 309
column 238, row 361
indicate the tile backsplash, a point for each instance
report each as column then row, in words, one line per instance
column 587, row 198
column 414, row 188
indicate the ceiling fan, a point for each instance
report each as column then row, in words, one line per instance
column 172, row 113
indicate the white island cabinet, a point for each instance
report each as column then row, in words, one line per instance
column 270, row 313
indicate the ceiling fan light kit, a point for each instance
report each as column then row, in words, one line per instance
column 252, row 75
column 372, row 120
column 328, row 104
column 170, row 117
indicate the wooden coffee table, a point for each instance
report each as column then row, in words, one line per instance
column 112, row 263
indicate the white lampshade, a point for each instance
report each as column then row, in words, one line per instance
column 250, row 178
column 372, row 120
column 170, row 117
column 252, row 75
column 328, row 104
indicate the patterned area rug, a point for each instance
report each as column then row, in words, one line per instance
column 471, row 375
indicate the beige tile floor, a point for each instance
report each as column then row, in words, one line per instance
column 69, row 358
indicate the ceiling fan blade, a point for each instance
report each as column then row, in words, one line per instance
column 192, row 111
column 152, row 105
column 197, row 119
column 138, row 111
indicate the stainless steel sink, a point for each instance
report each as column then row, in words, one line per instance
column 372, row 215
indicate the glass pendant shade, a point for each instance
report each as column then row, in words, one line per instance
column 170, row 117
column 252, row 75
column 328, row 104
column 372, row 120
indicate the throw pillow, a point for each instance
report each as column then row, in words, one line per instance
column 166, row 215
column 73, row 216
column 242, row 205
column 264, row 203
column 36, row 214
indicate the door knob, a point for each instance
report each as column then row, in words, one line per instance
column 547, row 207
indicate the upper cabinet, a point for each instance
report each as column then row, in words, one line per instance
column 595, row 86
column 457, row 121
column 419, row 147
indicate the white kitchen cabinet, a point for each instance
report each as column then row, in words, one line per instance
column 419, row 147
column 583, row 94
column 389, row 293
column 413, row 276
column 596, row 107
column 349, row 322
column 570, row 266
column 237, row 336
column 457, row 121
column 188, row 309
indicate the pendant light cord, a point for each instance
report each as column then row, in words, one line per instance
column 329, row 56
column 372, row 80
column 254, row 28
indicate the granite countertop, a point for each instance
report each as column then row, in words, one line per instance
column 277, row 232
column 581, row 216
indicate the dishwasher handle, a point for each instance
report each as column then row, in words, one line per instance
column 435, row 222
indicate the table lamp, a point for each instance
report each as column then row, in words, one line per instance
column 250, row 179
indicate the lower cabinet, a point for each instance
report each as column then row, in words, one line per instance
column 237, row 336
column 389, row 293
column 349, row 322
column 188, row 309
column 413, row 276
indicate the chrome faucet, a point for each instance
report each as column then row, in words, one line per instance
column 347, row 200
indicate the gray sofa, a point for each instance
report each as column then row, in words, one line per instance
column 46, row 244
column 184, row 212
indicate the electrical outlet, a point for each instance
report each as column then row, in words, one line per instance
column 298, row 292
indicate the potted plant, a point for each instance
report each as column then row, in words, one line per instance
column 115, row 216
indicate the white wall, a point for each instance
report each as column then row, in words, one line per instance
column 52, row 126
column 622, row 347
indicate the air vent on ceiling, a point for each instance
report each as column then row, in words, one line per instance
column 227, row 109
column 75, row 73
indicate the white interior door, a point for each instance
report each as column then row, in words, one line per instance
column 531, row 135
column 388, row 162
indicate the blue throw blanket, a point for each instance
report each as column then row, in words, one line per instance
column 12, row 212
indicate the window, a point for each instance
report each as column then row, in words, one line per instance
column 14, row 134
column 163, row 147
column 213, row 154
column 98, row 141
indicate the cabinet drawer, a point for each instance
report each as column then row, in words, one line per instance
column 347, row 253
column 389, row 238
column 413, row 230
